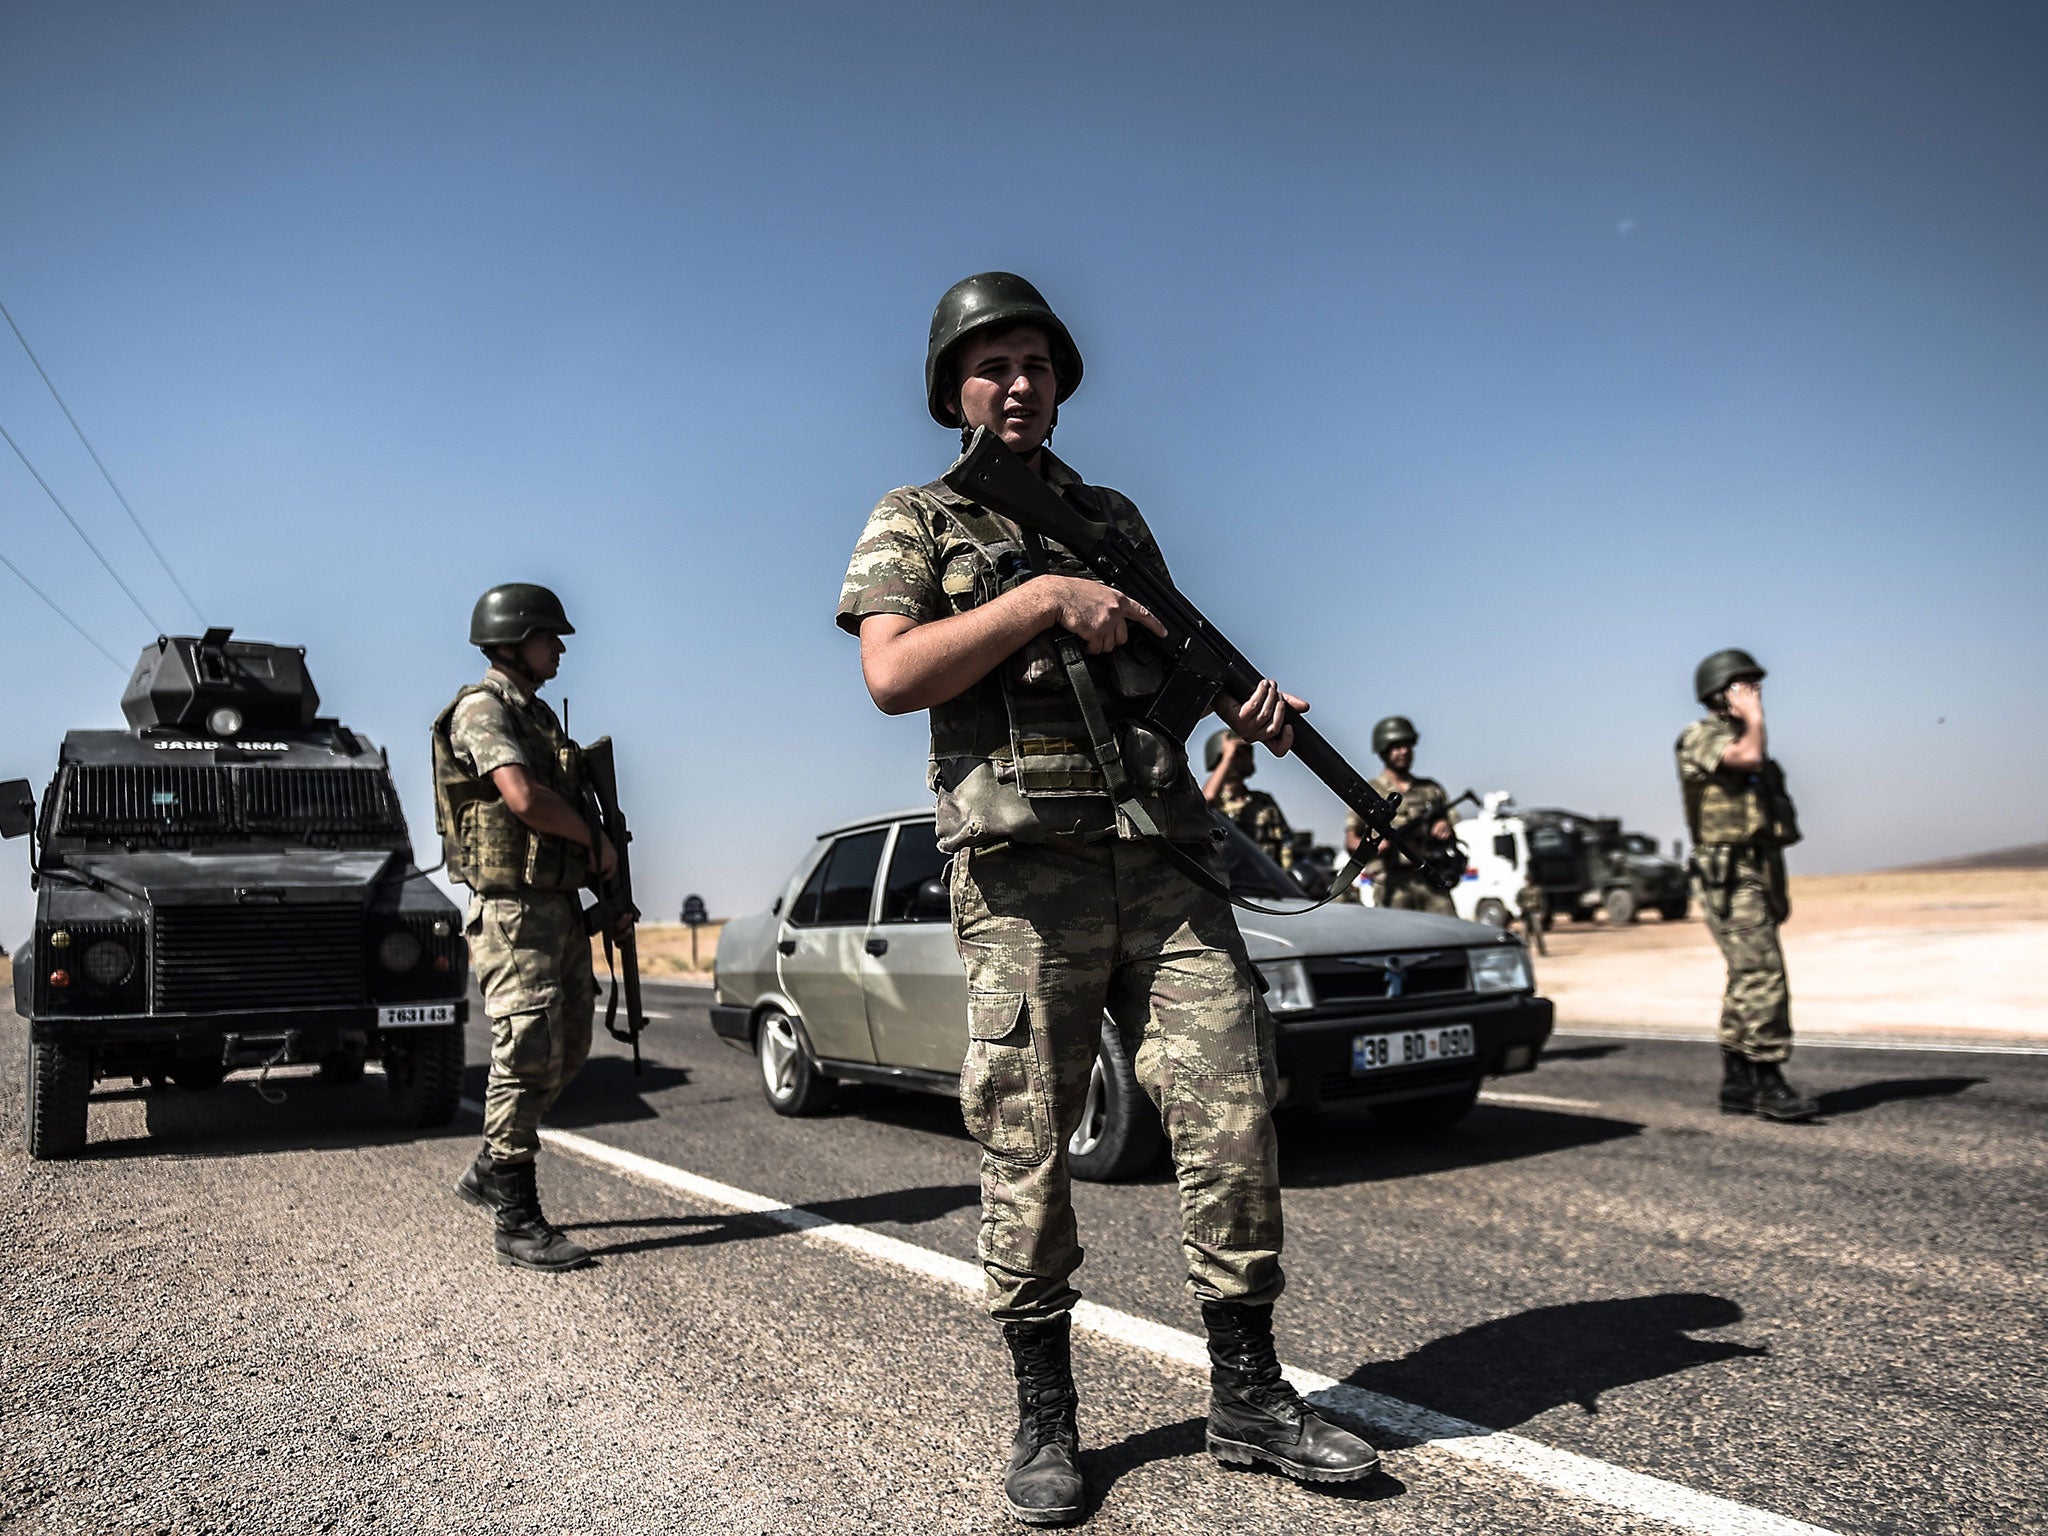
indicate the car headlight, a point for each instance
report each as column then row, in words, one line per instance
column 1287, row 986
column 107, row 963
column 1500, row 968
column 398, row 950
column 225, row 721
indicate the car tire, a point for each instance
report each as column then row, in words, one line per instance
column 1675, row 911
column 1491, row 912
column 59, row 1086
column 790, row 1080
column 1119, row 1136
column 1426, row 1117
column 1620, row 906
column 423, row 1068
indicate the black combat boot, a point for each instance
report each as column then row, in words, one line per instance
column 1254, row 1415
column 477, row 1185
column 525, row 1238
column 1777, row 1099
column 1738, row 1084
column 1044, row 1484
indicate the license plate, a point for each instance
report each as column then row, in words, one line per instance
column 1411, row 1047
column 415, row 1015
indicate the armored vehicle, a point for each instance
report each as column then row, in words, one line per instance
column 228, row 883
column 1588, row 865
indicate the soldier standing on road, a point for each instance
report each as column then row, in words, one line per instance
column 1531, row 904
column 1742, row 820
column 1231, row 760
column 1424, row 805
column 508, row 797
column 1061, row 911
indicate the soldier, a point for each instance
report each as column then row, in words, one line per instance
column 1395, row 882
column 1742, row 820
column 1231, row 760
column 508, row 792
column 1062, row 911
column 1531, row 904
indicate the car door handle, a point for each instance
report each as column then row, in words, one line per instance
column 878, row 946
column 787, row 946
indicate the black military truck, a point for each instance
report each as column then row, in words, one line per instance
column 228, row 883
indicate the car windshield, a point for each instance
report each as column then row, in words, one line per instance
column 1251, row 872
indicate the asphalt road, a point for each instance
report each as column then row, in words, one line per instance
column 236, row 1316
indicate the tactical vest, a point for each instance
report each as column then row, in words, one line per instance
column 1011, row 759
column 486, row 847
column 1731, row 806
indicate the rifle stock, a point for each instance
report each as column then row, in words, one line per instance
column 615, row 895
column 1205, row 663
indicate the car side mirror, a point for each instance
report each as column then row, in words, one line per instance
column 17, row 808
column 933, row 902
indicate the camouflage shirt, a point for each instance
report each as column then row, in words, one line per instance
column 1258, row 814
column 1730, row 806
column 1010, row 759
column 1423, row 803
column 485, row 736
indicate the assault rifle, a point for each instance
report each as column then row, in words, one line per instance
column 614, row 895
column 1204, row 664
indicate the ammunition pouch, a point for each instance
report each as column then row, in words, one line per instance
column 484, row 845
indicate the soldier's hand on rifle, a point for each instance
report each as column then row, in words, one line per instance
column 607, row 857
column 1440, row 830
column 1263, row 717
column 1099, row 615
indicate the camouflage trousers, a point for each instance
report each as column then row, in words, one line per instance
column 1743, row 910
column 531, row 959
column 1054, row 936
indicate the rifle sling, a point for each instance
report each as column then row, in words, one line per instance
column 1110, row 759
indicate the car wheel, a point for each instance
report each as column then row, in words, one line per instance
column 423, row 1068
column 1620, row 905
column 59, row 1084
column 790, row 1080
column 1119, row 1135
column 1424, row 1117
column 1675, row 911
column 1491, row 912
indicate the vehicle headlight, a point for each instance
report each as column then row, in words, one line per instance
column 398, row 950
column 225, row 721
column 1500, row 968
column 108, row 963
column 1287, row 986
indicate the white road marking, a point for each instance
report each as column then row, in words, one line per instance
column 1537, row 1100
column 1807, row 1042
column 1583, row 1477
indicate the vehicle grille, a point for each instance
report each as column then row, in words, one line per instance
column 122, row 801
column 317, row 800
column 257, row 957
column 1337, row 981
column 119, row 801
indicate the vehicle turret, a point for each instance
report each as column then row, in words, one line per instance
column 219, row 685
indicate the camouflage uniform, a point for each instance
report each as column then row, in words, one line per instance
column 528, row 948
column 1740, row 823
column 1396, row 882
column 1258, row 814
column 1061, row 913
column 1530, row 904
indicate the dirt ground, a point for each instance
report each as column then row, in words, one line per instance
column 1906, row 954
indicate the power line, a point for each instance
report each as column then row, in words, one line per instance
column 49, row 384
column 52, row 602
column 75, row 528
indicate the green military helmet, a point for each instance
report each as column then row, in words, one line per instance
column 507, row 614
column 1212, row 753
column 976, row 303
column 1721, row 669
column 1392, row 732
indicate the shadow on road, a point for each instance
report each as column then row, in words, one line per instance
column 605, row 1092
column 1582, row 1052
column 1848, row 1101
column 904, row 1207
column 1509, row 1371
column 233, row 1120
column 1167, row 1442
column 1347, row 1147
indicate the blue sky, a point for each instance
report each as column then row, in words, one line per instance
column 1485, row 363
